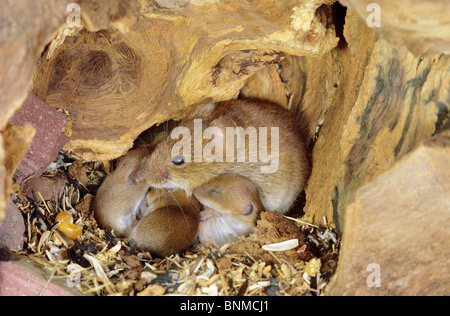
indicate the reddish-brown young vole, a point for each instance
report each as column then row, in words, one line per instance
column 170, row 224
column 157, row 220
column 181, row 169
column 232, row 207
column 117, row 201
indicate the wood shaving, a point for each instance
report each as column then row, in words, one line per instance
column 282, row 246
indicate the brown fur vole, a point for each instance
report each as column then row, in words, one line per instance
column 156, row 220
column 278, row 189
column 232, row 206
column 117, row 201
column 169, row 225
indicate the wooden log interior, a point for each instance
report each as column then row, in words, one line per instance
column 387, row 101
column 366, row 103
column 369, row 100
column 175, row 56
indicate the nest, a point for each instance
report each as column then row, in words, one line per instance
column 284, row 256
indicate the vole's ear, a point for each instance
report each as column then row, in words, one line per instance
column 202, row 109
column 218, row 129
column 247, row 210
column 222, row 123
column 134, row 179
column 223, row 138
column 159, row 137
column 214, row 149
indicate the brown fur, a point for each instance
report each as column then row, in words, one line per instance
column 117, row 202
column 171, row 226
column 158, row 220
column 232, row 207
column 278, row 191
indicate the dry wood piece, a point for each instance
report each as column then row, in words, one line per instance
column 422, row 26
column 78, row 171
column 378, row 102
column 25, row 29
column 400, row 223
column 17, row 140
column 117, row 85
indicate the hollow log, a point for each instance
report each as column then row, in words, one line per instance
column 396, row 240
column 378, row 115
column 115, row 86
column 366, row 95
column 366, row 104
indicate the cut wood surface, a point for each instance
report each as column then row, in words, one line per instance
column 117, row 85
column 400, row 222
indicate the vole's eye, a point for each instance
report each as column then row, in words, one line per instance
column 215, row 191
column 248, row 209
column 178, row 160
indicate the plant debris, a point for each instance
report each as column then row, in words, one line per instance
column 98, row 263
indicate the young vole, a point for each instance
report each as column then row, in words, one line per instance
column 169, row 223
column 232, row 206
column 156, row 220
column 117, row 201
column 279, row 181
